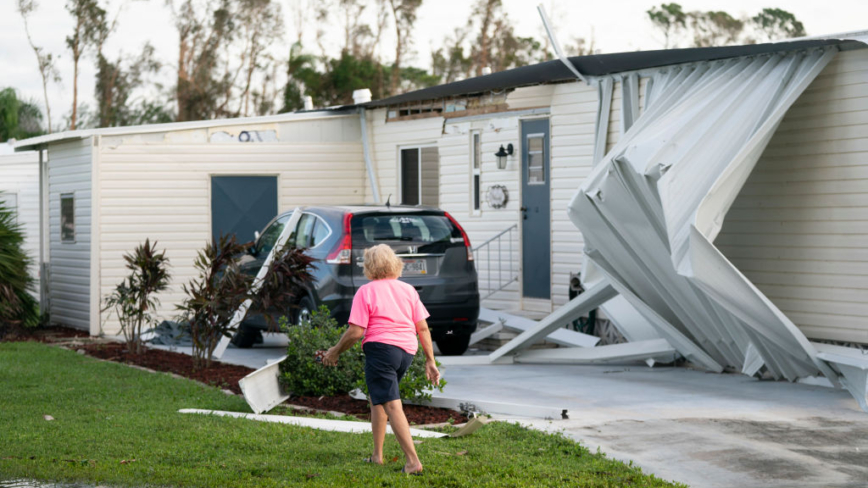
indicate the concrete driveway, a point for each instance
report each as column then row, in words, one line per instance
column 705, row 430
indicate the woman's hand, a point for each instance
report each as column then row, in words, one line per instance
column 330, row 358
column 432, row 373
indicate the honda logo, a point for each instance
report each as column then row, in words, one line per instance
column 412, row 249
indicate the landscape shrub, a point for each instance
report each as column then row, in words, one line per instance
column 17, row 305
column 214, row 296
column 302, row 375
column 134, row 299
column 222, row 287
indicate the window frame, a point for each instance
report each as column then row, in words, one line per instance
column 418, row 148
column 542, row 152
column 71, row 197
column 475, row 172
column 320, row 221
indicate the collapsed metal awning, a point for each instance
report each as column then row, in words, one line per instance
column 653, row 206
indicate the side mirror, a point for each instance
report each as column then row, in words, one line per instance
column 256, row 235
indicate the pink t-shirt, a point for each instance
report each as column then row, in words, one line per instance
column 388, row 311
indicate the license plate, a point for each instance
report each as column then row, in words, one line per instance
column 415, row 267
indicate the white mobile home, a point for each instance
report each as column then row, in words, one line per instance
column 794, row 230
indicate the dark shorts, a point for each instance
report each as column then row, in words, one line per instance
column 385, row 365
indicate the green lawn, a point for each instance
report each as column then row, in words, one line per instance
column 107, row 413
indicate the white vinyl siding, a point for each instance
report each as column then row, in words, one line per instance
column 799, row 228
column 573, row 121
column 19, row 178
column 455, row 197
column 69, row 172
column 162, row 192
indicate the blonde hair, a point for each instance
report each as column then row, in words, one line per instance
column 382, row 263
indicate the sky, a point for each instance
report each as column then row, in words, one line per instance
column 615, row 25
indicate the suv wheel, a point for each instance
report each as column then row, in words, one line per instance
column 453, row 345
column 246, row 337
column 304, row 311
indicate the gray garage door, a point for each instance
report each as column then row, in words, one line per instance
column 242, row 205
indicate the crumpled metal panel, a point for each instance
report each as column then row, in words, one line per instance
column 651, row 209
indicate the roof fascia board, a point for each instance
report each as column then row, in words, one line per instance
column 497, row 115
column 179, row 126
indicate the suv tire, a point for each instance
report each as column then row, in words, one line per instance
column 453, row 345
column 304, row 310
column 246, row 337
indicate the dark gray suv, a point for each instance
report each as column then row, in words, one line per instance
column 438, row 262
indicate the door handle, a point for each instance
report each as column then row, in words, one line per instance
column 523, row 209
column 523, row 212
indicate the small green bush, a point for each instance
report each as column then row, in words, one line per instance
column 302, row 375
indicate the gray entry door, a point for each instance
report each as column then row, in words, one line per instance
column 535, row 209
column 241, row 205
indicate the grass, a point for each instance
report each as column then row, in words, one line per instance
column 108, row 414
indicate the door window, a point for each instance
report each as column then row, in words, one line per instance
column 536, row 168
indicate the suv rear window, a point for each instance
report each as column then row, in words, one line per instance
column 370, row 230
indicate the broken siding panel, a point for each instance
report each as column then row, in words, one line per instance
column 69, row 172
column 573, row 119
column 163, row 193
column 797, row 230
column 19, row 175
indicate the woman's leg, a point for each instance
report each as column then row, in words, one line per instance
column 378, row 427
column 401, row 428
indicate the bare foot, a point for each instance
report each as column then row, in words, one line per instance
column 374, row 460
column 412, row 468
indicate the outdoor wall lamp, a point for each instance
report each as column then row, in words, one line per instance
column 501, row 155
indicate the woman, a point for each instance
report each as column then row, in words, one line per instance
column 389, row 315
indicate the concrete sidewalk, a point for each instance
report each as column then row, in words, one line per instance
column 705, row 430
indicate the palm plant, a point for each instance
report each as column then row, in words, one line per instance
column 134, row 299
column 17, row 306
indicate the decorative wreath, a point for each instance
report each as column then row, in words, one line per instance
column 497, row 196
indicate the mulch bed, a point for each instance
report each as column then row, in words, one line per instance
column 222, row 375
column 50, row 334
column 226, row 376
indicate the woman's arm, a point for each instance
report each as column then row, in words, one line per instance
column 350, row 337
column 430, row 364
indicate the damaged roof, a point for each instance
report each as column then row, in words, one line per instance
column 592, row 65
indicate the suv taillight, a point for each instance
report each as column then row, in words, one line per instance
column 463, row 234
column 343, row 253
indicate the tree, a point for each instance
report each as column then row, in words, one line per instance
column 484, row 10
column 450, row 63
column 261, row 25
column 775, row 24
column 715, row 28
column 670, row 20
column 299, row 67
column 88, row 18
column 18, row 119
column 115, row 83
column 404, row 15
column 205, row 30
column 47, row 69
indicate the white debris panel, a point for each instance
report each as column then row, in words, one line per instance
column 652, row 208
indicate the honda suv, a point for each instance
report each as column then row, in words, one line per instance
column 438, row 262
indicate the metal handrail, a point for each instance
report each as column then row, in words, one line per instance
column 512, row 276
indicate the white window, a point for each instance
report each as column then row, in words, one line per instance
column 420, row 176
column 475, row 172
column 10, row 202
column 67, row 217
